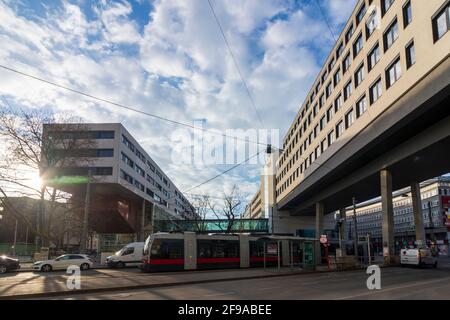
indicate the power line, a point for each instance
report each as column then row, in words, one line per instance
column 235, row 63
column 126, row 107
column 325, row 19
column 222, row 173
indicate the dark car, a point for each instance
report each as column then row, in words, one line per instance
column 8, row 264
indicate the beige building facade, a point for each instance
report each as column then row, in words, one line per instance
column 386, row 47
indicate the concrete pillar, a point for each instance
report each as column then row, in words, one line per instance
column 141, row 223
column 418, row 215
column 342, row 233
column 387, row 212
column 319, row 230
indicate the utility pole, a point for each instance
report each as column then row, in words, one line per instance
column 15, row 239
column 39, row 219
column 84, row 232
column 430, row 217
column 355, row 226
column 26, row 242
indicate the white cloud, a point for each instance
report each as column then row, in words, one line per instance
column 178, row 66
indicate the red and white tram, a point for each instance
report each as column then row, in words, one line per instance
column 191, row 251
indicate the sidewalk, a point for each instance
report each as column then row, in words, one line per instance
column 103, row 280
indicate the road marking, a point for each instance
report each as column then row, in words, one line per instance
column 220, row 294
column 393, row 288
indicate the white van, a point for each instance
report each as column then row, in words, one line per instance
column 130, row 255
column 417, row 257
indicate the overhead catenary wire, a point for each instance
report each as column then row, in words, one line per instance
column 252, row 101
column 222, row 173
column 122, row 106
column 326, row 20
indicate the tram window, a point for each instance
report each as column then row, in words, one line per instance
column 218, row 249
column 167, row 249
column 256, row 249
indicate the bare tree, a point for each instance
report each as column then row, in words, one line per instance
column 231, row 209
column 30, row 149
column 201, row 205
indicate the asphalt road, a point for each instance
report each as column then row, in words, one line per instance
column 396, row 283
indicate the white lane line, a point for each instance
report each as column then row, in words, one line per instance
column 219, row 294
column 393, row 288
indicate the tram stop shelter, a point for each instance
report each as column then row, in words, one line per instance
column 288, row 251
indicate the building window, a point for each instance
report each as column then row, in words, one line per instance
column 102, row 171
column 385, row 5
column 323, row 145
column 324, row 76
column 361, row 106
column 375, row 91
column 329, row 114
column 357, row 45
column 347, row 90
column 330, row 137
column 374, row 57
column 390, row 35
column 393, row 73
column 410, row 54
column 371, row 23
column 329, row 90
column 360, row 14
column 441, row 23
column 349, row 118
column 337, row 77
column 127, row 143
column 125, row 176
column 359, row 75
column 331, row 64
column 346, row 63
column 349, row 33
column 407, row 14
column 322, row 122
column 321, row 101
column 139, row 170
column 127, row 160
column 339, row 50
column 105, row 153
column 338, row 103
column 339, row 129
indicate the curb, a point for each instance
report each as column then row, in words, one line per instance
column 32, row 270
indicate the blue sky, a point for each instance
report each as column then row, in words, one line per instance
column 167, row 57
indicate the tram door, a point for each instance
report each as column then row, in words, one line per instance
column 308, row 254
column 296, row 253
column 190, row 251
column 244, row 251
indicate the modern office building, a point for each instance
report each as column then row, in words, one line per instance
column 434, row 204
column 127, row 190
column 376, row 118
column 253, row 210
column 386, row 48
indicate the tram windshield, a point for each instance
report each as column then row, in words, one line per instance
column 148, row 244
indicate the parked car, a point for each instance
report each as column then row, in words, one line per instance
column 63, row 262
column 8, row 264
column 418, row 257
column 130, row 255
